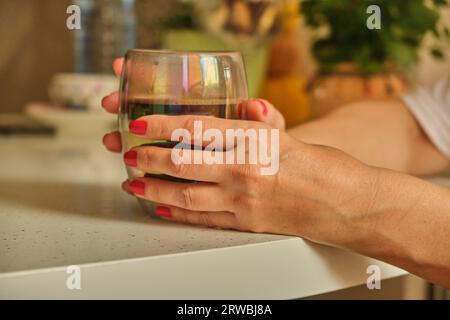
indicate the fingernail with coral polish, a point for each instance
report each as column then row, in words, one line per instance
column 163, row 212
column 130, row 158
column 137, row 187
column 263, row 106
column 138, row 127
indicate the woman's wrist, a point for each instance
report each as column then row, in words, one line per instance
column 392, row 226
column 341, row 192
column 371, row 227
column 354, row 229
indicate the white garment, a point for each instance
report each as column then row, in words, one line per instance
column 431, row 107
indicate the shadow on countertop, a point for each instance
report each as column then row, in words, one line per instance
column 94, row 201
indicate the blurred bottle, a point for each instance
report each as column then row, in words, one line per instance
column 285, row 84
column 108, row 30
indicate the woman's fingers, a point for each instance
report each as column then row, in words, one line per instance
column 262, row 111
column 222, row 219
column 111, row 103
column 112, row 141
column 190, row 196
column 164, row 160
column 189, row 127
column 126, row 187
column 117, row 66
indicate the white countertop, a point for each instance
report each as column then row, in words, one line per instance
column 61, row 204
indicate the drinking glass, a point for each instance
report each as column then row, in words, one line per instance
column 177, row 83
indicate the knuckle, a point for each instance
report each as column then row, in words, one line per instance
column 178, row 169
column 146, row 158
column 205, row 219
column 187, row 198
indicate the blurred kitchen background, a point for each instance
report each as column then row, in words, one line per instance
column 306, row 57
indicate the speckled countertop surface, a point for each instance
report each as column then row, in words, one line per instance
column 61, row 204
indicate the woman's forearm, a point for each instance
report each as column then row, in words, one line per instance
column 379, row 133
column 407, row 224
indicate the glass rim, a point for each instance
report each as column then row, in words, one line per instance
column 184, row 52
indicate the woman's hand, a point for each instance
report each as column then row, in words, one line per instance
column 254, row 109
column 315, row 186
column 314, row 193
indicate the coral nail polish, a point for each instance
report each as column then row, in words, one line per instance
column 138, row 127
column 163, row 212
column 137, row 187
column 263, row 106
column 130, row 158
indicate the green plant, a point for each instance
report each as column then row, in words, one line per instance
column 404, row 23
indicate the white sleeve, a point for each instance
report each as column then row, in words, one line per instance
column 431, row 108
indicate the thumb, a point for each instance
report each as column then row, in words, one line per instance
column 263, row 111
column 117, row 66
